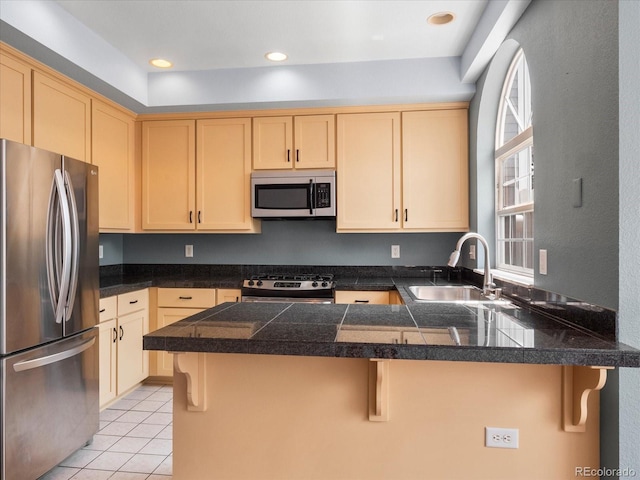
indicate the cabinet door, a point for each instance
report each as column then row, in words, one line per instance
column 113, row 147
column 315, row 141
column 15, row 100
column 108, row 338
column 435, row 170
column 368, row 172
column 132, row 359
column 61, row 118
column 228, row 295
column 272, row 143
column 224, row 174
column 167, row 316
column 168, row 175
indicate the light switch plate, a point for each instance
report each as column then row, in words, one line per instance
column 188, row 250
column 100, row 251
column 395, row 251
column 543, row 262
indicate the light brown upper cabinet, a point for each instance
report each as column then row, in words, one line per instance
column 113, row 150
column 288, row 142
column 205, row 188
column 420, row 187
column 15, row 100
column 368, row 171
column 61, row 118
column 435, row 171
column 223, row 175
column 169, row 175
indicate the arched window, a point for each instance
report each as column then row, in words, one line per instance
column 514, row 172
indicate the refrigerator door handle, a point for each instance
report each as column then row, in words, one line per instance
column 56, row 357
column 63, row 286
column 75, row 241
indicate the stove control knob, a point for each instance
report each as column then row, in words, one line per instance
column 325, row 284
column 250, row 283
column 259, row 283
column 314, row 284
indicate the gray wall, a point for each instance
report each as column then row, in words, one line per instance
column 291, row 242
column 629, row 312
column 572, row 49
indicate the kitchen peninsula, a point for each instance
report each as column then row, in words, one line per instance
column 281, row 390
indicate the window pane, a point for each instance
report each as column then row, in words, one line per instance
column 528, row 260
column 528, row 220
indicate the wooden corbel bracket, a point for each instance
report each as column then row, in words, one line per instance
column 379, row 390
column 192, row 366
column 577, row 383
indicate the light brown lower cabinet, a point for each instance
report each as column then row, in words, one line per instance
column 124, row 319
column 175, row 304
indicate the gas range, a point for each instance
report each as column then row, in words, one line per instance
column 307, row 288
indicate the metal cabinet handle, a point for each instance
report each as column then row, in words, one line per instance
column 297, row 155
column 133, row 302
column 396, row 215
column 288, row 155
column 199, row 216
column 103, row 310
column 115, row 334
column 362, row 301
column 121, row 333
column 185, row 298
column 406, row 214
column 190, row 216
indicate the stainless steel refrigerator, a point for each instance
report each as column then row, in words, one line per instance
column 49, row 294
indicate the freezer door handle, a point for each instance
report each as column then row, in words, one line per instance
column 56, row 357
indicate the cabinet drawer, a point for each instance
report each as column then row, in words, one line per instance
column 187, row 297
column 108, row 308
column 133, row 301
column 368, row 297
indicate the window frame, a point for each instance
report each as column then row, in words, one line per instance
column 504, row 150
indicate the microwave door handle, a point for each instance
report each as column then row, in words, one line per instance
column 312, row 196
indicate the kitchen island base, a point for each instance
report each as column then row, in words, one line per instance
column 242, row 416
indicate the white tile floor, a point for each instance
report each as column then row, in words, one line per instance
column 134, row 441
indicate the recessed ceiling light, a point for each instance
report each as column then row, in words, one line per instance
column 276, row 56
column 441, row 18
column 160, row 63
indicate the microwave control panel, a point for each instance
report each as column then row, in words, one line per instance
column 323, row 195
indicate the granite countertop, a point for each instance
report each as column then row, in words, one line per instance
column 417, row 331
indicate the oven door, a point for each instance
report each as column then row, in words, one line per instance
column 254, row 299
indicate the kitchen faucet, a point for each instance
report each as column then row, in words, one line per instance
column 488, row 286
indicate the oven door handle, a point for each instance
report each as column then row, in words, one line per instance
column 312, row 196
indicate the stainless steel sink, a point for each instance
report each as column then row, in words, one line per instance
column 451, row 294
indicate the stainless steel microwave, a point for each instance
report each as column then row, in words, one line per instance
column 293, row 194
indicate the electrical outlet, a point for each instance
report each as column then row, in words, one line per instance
column 188, row 250
column 100, row 252
column 472, row 252
column 395, row 251
column 543, row 262
column 501, row 437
